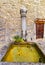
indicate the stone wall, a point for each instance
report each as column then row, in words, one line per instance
column 10, row 13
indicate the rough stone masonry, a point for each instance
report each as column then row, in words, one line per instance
column 10, row 19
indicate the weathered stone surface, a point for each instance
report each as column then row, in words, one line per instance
column 41, row 45
column 4, row 49
column 13, row 63
column 10, row 13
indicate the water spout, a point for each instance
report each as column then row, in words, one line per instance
column 23, row 12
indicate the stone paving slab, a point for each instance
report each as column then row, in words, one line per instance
column 14, row 63
column 41, row 45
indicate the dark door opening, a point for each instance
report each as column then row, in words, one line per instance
column 39, row 29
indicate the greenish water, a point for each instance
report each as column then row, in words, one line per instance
column 23, row 53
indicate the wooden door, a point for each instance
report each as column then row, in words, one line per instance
column 39, row 30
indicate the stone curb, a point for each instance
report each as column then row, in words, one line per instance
column 23, row 63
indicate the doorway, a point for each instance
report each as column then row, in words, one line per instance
column 39, row 29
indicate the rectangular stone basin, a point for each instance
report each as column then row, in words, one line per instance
column 23, row 53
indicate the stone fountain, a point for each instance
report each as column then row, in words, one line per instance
column 3, row 51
